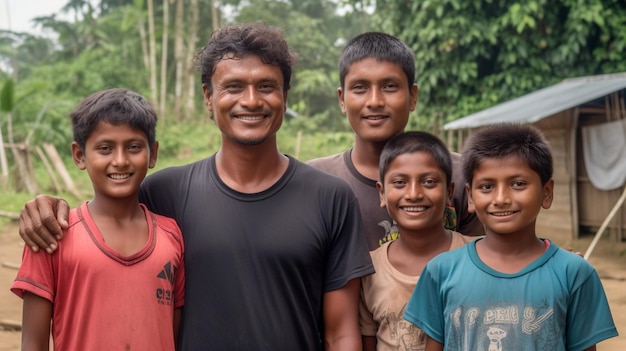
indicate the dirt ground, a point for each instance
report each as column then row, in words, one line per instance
column 608, row 257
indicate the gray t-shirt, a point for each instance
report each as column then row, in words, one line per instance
column 378, row 225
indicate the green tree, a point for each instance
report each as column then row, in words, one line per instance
column 316, row 32
column 472, row 54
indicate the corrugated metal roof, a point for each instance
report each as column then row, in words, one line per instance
column 544, row 102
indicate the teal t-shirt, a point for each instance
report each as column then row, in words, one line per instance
column 555, row 303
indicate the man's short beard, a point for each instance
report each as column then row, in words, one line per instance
column 248, row 142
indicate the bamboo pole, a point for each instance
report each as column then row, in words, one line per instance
column 11, row 215
column 52, row 153
column 608, row 219
column 48, row 166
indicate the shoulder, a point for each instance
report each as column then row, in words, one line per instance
column 176, row 172
column 166, row 224
column 314, row 183
column 459, row 240
column 451, row 260
column 570, row 262
column 74, row 216
column 380, row 254
column 328, row 163
column 317, row 176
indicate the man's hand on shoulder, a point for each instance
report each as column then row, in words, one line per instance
column 42, row 222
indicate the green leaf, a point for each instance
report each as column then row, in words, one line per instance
column 7, row 96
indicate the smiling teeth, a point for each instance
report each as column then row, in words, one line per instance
column 415, row 209
column 250, row 118
column 502, row 214
column 119, row 176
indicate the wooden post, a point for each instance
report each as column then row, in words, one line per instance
column 608, row 219
column 52, row 153
column 46, row 164
column 11, row 215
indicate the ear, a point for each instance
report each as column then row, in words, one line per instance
column 285, row 96
column 206, row 91
column 78, row 156
column 450, row 195
column 381, row 194
column 342, row 104
column 413, row 96
column 470, row 201
column 154, row 151
column 548, row 194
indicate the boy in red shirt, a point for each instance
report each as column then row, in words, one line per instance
column 117, row 283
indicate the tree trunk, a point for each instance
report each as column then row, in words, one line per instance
column 4, row 166
column 26, row 178
column 152, row 53
column 145, row 52
column 215, row 14
column 191, row 49
column 179, row 57
column 48, row 166
column 164, row 44
column 56, row 160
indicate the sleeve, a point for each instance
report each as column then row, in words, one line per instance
column 36, row 275
column 179, row 280
column 367, row 324
column 589, row 319
column 348, row 256
column 425, row 307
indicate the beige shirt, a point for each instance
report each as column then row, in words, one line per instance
column 384, row 296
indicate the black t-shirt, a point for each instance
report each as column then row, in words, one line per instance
column 257, row 265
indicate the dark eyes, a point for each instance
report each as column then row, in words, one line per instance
column 427, row 183
column 264, row 87
column 359, row 88
column 106, row 149
column 514, row 185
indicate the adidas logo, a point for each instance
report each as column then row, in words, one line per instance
column 168, row 272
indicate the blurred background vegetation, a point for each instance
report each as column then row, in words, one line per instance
column 471, row 54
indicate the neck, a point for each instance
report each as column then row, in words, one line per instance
column 425, row 242
column 411, row 251
column 365, row 157
column 509, row 253
column 120, row 209
column 512, row 244
column 250, row 168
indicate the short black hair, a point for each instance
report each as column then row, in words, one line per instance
column 116, row 106
column 499, row 141
column 380, row 46
column 243, row 40
column 416, row 141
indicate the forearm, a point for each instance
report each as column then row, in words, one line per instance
column 31, row 344
column 344, row 343
column 341, row 318
column 36, row 317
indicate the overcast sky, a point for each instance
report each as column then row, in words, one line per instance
column 22, row 11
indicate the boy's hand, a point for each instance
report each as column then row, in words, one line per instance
column 42, row 222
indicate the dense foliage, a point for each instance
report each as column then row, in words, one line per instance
column 471, row 54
